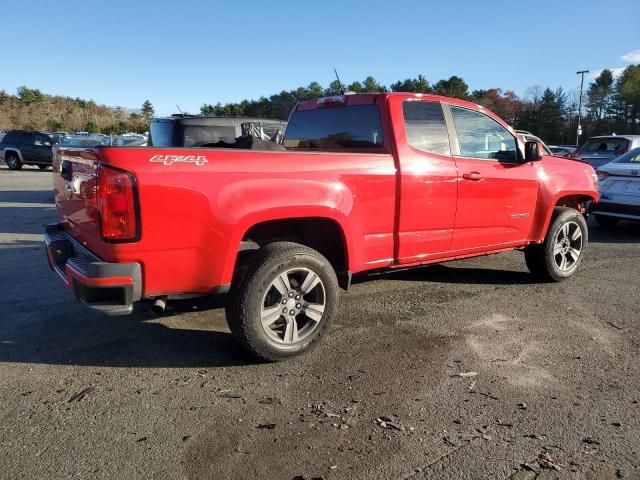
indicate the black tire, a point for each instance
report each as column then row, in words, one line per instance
column 43, row 167
column 606, row 221
column 13, row 161
column 541, row 260
column 255, row 290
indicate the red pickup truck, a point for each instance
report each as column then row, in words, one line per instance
column 360, row 182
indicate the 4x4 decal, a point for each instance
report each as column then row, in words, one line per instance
column 199, row 160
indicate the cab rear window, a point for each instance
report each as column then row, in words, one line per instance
column 351, row 127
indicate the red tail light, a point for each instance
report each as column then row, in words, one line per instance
column 601, row 175
column 117, row 206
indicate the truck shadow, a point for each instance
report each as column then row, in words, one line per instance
column 27, row 196
column 442, row 273
column 70, row 337
column 624, row 232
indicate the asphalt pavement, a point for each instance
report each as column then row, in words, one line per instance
column 462, row 370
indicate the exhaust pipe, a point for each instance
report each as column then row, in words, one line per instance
column 159, row 305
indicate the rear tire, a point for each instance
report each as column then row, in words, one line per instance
column 606, row 221
column 561, row 253
column 13, row 161
column 282, row 300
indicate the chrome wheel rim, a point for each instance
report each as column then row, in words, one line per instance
column 11, row 161
column 567, row 247
column 293, row 305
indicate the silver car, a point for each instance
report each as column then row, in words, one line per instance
column 598, row 151
column 619, row 190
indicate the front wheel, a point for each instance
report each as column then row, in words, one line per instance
column 561, row 253
column 282, row 301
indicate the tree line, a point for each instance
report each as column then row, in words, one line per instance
column 611, row 104
column 30, row 109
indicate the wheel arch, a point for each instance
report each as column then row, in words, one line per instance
column 13, row 150
column 324, row 233
column 579, row 201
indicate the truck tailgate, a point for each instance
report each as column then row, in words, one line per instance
column 74, row 184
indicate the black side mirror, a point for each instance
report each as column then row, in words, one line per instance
column 532, row 151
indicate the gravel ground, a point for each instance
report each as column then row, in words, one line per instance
column 555, row 394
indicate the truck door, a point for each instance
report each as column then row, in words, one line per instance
column 427, row 180
column 497, row 193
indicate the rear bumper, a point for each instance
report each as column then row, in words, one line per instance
column 110, row 288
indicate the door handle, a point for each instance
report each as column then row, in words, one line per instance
column 474, row 176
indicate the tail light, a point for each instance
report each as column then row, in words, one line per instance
column 118, row 205
column 601, row 175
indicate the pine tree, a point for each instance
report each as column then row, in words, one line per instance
column 147, row 110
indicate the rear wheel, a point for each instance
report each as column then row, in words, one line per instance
column 282, row 301
column 606, row 221
column 13, row 161
column 560, row 255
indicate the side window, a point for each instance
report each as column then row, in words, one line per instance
column 27, row 139
column 42, row 141
column 482, row 137
column 426, row 128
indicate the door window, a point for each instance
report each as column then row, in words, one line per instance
column 426, row 128
column 482, row 137
column 42, row 141
column 27, row 138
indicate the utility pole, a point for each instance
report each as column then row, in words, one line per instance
column 581, row 73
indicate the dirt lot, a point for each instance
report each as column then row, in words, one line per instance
column 86, row 396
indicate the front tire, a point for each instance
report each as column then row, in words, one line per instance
column 282, row 300
column 561, row 253
column 13, row 161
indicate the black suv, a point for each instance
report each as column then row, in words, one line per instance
column 19, row 147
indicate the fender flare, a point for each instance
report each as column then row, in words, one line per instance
column 14, row 150
column 245, row 224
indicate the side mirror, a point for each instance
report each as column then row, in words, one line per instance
column 532, row 151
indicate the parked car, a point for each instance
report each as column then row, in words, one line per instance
column 20, row 147
column 198, row 130
column 598, row 151
column 619, row 190
column 562, row 150
column 361, row 182
column 530, row 137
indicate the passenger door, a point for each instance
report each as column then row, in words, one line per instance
column 497, row 192
column 427, row 180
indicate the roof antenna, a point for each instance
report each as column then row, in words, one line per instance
column 339, row 82
column 179, row 110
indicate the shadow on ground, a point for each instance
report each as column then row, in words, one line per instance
column 624, row 232
column 26, row 196
column 64, row 334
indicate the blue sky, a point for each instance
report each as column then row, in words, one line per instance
column 190, row 52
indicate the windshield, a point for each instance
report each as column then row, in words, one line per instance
column 632, row 156
column 353, row 127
